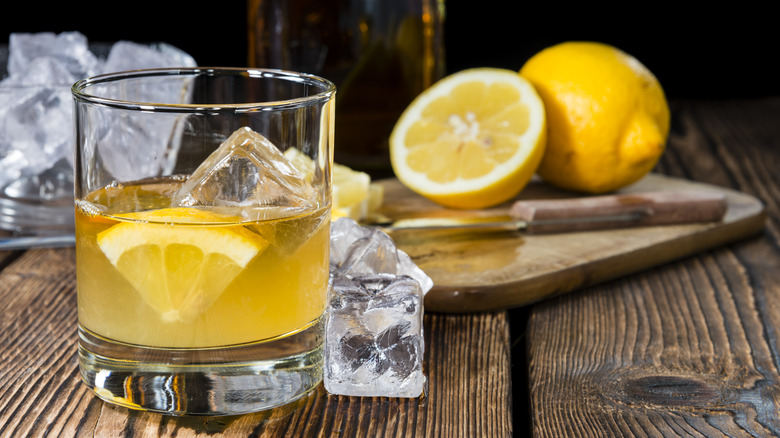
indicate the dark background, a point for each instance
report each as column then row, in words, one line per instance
column 694, row 53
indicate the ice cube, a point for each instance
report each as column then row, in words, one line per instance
column 127, row 55
column 36, row 107
column 360, row 250
column 250, row 175
column 132, row 148
column 70, row 49
column 160, row 135
column 374, row 337
column 36, row 129
column 45, row 71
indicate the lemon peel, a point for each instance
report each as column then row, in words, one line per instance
column 607, row 116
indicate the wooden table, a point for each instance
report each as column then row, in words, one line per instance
column 686, row 349
column 691, row 348
column 41, row 395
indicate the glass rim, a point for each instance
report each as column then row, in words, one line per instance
column 327, row 92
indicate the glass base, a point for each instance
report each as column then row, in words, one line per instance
column 214, row 381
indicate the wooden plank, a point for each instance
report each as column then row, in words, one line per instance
column 491, row 271
column 688, row 349
column 41, row 395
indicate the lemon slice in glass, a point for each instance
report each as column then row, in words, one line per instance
column 180, row 260
column 472, row 140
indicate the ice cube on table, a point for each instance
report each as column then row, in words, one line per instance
column 249, row 175
column 360, row 250
column 374, row 337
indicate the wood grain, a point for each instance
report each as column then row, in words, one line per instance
column 690, row 348
column 478, row 271
column 41, row 394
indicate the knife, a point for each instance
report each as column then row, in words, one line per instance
column 584, row 213
column 534, row 216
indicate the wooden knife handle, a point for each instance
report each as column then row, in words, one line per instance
column 623, row 210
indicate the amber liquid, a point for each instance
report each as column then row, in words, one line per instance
column 264, row 321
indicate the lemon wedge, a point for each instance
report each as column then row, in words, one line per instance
column 354, row 195
column 177, row 259
column 472, row 140
column 350, row 187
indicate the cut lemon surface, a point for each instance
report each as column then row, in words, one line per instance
column 179, row 260
column 472, row 140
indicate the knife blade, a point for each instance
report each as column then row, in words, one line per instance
column 583, row 213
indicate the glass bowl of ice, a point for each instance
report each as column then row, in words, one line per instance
column 37, row 71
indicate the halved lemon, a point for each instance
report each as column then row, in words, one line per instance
column 179, row 260
column 472, row 140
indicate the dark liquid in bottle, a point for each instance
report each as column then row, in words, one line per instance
column 380, row 54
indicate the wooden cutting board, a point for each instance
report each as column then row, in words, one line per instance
column 478, row 271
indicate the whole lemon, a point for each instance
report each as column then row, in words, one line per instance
column 607, row 116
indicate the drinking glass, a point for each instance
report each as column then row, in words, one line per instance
column 202, row 236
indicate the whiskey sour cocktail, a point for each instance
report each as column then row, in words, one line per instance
column 202, row 252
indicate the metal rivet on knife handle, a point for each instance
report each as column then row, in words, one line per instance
column 611, row 211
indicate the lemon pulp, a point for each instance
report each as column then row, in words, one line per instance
column 178, row 265
column 472, row 140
